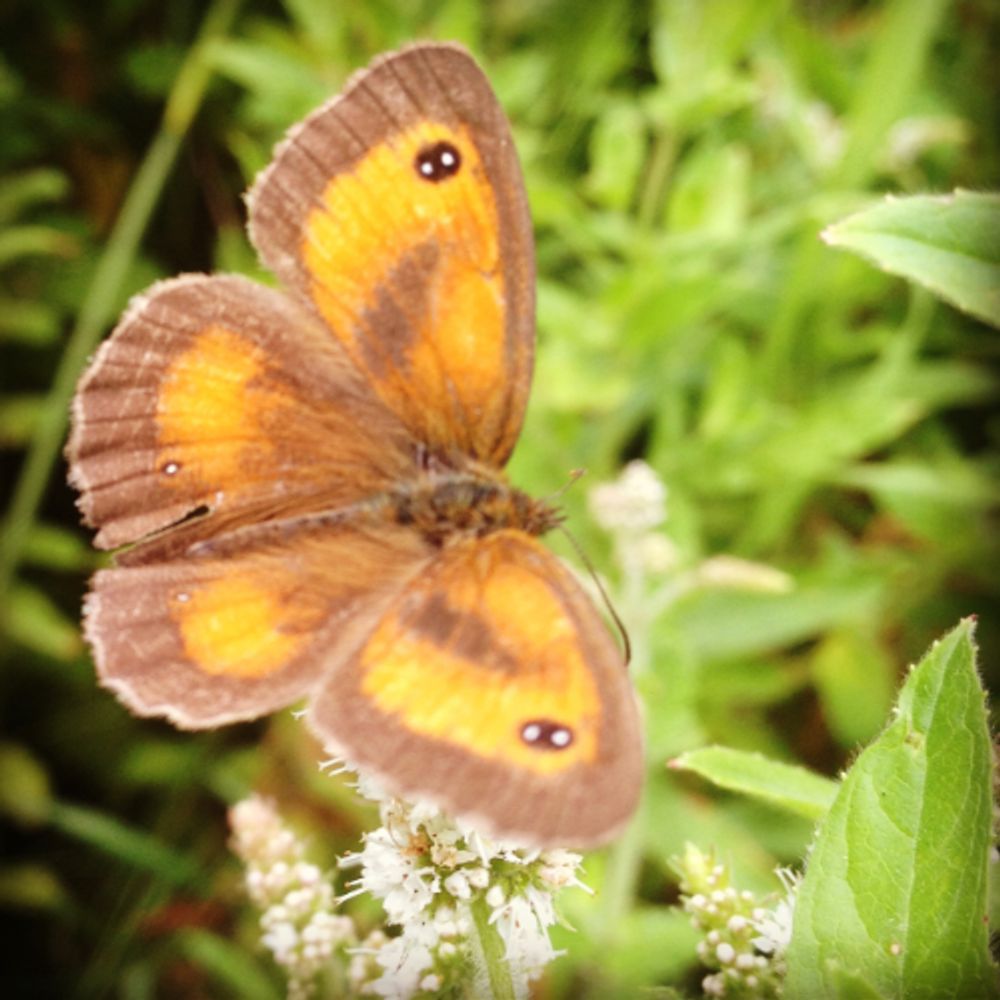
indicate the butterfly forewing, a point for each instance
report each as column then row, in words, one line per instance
column 218, row 394
column 411, row 174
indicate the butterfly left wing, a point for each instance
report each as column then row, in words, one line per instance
column 219, row 396
column 492, row 687
column 397, row 213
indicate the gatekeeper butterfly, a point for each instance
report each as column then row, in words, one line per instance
column 311, row 480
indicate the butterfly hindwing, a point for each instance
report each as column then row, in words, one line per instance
column 491, row 687
column 238, row 628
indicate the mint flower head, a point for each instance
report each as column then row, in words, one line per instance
column 298, row 923
column 743, row 940
column 635, row 503
column 463, row 912
column 452, row 891
column 653, row 569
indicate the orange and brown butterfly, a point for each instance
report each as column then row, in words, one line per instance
column 311, row 480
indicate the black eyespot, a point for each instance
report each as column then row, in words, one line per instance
column 543, row 734
column 438, row 162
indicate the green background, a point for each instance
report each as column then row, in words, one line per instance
column 805, row 411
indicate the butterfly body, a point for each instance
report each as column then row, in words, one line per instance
column 449, row 506
column 311, row 480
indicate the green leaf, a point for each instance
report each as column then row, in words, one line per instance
column 24, row 191
column 758, row 623
column 854, row 678
column 947, row 243
column 28, row 322
column 126, row 844
column 56, row 547
column 24, row 785
column 895, row 889
column 34, row 620
column 853, row 986
column 30, row 887
column 152, row 68
column 617, row 147
column 711, row 191
column 227, row 963
column 285, row 85
column 488, row 953
column 632, row 963
column 784, row 785
column 17, row 242
column 19, row 416
column 960, row 485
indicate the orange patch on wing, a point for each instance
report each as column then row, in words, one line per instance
column 235, row 626
column 466, row 339
column 368, row 220
column 483, row 707
column 522, row 602
column 203, row 409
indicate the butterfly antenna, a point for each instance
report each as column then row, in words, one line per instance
column 619, row 624
column 574, row 476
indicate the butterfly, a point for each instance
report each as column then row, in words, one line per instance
column 307, row 485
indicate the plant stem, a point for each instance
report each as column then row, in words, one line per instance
column 105, row 289
column 651, row 196
column 620, row 879
column 488, row 953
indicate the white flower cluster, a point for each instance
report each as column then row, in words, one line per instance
column 635, row 502
column 633, row 509
column 442, row 884
column 744, row 942
column 296, row 898
column 652, row 571
column 431, row 874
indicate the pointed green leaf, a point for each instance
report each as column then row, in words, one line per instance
column 226, row 963
column 855, row 679
column 30, row 887
column 21, row 192
column 783, row 785
column 125, row 844
column 54, row 547
column 948, row 243
column 25, row 795
column 34, row 620
column 894, row 894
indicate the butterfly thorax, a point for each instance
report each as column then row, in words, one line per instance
column 450, row 505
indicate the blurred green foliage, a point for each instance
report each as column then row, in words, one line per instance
column 804, row 410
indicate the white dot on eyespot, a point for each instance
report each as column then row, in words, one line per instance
column 561, row 738
column 171, row 468
column 532, row 732
column 183, row 598
column 448, row 158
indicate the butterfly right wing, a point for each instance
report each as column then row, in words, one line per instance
column 491, row 686
column 422, row 268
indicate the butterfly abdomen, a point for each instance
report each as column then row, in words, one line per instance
column 460, row 505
